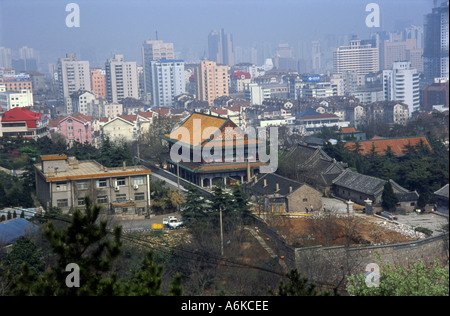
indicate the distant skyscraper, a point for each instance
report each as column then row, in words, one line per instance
column 398, row 51
column 401, row 84
column 154, row 50
column 316, row 57
column 73, row 75
column 435, row 56
column 5, row 58
column 220, row 47
column 212, row 81
column 121, row 79
column 359, row 57
column 167, row 81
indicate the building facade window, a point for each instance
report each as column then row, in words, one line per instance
column 102, row 199
column 62, row 203
column 139, row 196
column 121, row 197
column 61, row 186
column 82, row 185
column 138, row 180
column 102, row 183
column 121, row 181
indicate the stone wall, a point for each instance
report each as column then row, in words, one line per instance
column 329, row 265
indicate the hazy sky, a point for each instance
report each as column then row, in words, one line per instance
column 120, row 26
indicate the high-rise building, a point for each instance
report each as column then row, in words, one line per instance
column 435, row 56
column 166, row 81
column 396, row 51
column 154, row 50
column 98, row 82
column 359, row 57
column 212, row 81
column 220, row 47
column 121, row 79
column 316, row 57
column 73, row 75
column 5, row 58
column 401, row 84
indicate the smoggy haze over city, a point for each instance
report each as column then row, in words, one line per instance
column 120, row 27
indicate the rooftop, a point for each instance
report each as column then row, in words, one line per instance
column 397, row 145
column 359, row 182
column 266, row 184
column 86, row 170
column 442, row 191
column 200, row 129
column 13, row 229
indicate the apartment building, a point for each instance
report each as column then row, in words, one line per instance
column 12, row 99
column 435, row 55
column 83, row 102
column 212, row 81
column 154, row 50
column 359, row 57
column 98, row 83
column 122, row 79
column 16, row 83
column 401, row 84
column 73, row 75
column 167, row 80
column 64, row 182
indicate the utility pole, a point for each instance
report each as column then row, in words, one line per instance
column 221, row 232
column 178, row 177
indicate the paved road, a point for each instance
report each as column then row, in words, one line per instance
column 139, row 225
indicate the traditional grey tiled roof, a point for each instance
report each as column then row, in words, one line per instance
column 313, row 163
column 408, row 196
column 442, row 192
column 359, row 182
column 272, row 179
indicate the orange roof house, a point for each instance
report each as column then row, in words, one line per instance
column 397, row 145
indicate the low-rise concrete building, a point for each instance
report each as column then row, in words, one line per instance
column 64, row 182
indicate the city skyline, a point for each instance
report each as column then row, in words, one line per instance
column 119, row 27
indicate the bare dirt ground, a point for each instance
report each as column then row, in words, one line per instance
column 335, row 231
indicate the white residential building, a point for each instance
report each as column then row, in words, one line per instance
column 154, row 50
column 83, row 102
column 73, row 75
column 13, row 99
column 122, row 80
column 256, row 94
column 167, row 80
column 401, row 84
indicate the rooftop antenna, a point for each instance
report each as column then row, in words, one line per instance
column 156, row 35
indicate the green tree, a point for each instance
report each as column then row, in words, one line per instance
column 147, row 281
column 193, row 210
column 223, row 201
column 85, row 243
column 2, row 196
column 417, row 279
column 24, row 251
column 298, row 286
column 389, row 198
column 241, row 202
column 88, row 243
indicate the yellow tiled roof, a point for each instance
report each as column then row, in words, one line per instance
column 198, row 120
